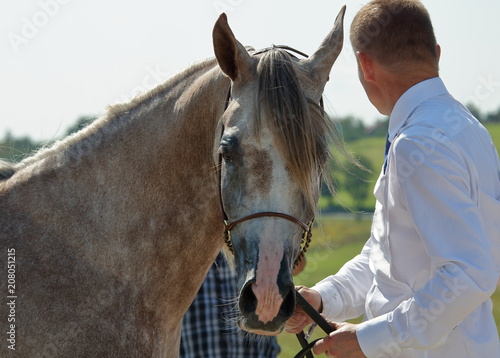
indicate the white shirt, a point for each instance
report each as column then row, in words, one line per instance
column 424, row 279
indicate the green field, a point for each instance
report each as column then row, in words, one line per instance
column 494, row 129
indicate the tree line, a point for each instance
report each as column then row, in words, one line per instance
column 14, row 149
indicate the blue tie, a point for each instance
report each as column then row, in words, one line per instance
column 387, row 146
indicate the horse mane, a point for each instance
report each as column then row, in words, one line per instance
column 302, row 130
column 6, row 170
column 117, row 116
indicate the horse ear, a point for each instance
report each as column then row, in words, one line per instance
column 321, row 62
column 232, row 57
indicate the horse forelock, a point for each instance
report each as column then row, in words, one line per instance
column 300, row 127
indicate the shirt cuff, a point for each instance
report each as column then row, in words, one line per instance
column 331, row 299
column 376, row 339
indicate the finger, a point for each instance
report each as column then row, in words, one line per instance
column 296, row 328
column 311, row 296
column 335, row 325
column 322, row 346
column 296, row 323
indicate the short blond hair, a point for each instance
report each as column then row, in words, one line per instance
column 395, row 32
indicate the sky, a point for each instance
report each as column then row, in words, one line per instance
column 62, row 59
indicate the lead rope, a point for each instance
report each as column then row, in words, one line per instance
column 318, row 319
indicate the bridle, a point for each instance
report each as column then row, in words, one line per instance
column 306, row 234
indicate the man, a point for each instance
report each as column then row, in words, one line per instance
column 424, row 279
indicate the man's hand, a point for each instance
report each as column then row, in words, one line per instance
column 300, row 319
column 342, row 343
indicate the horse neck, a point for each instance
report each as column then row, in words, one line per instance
column 140, row 180
column 194, row 95
column 129, row 206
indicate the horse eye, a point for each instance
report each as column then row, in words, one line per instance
column 225, row 153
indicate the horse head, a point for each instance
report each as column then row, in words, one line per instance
column 272, row 154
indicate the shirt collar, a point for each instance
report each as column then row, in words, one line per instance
column 410, row 100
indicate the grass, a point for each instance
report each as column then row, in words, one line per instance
column 336, row 240
column 373, row 150
column 494, row 129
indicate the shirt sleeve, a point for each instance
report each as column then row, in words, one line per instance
column 344, row 294
column 438, row 193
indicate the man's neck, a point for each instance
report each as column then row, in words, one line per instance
column 394, row 85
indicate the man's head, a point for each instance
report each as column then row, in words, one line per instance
column 395, row 47
column 395, row 33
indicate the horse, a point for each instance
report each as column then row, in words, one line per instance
column 108, row 233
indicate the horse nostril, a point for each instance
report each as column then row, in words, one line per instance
column 247, row 301
column 288, row 306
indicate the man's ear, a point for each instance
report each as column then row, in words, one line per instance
column 367, row 66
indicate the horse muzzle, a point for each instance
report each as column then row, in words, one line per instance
column 266, row 304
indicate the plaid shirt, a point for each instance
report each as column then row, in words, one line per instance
column 207, row 328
